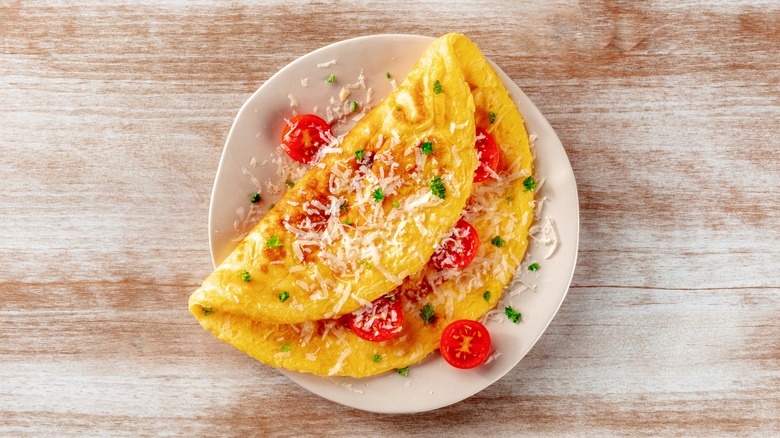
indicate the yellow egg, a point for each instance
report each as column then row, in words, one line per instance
column 304, row 332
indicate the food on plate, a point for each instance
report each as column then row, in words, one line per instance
column 462, row 280
column 458, row 249
column 304, row 136
column 368, row 214
column 488, row 153
column 465, row 344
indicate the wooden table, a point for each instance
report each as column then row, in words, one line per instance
column 113, row 119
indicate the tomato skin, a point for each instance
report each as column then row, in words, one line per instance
column 381, row 328
column 304, row 135
column 465, row 344
column 489, row 155
column 458, row 250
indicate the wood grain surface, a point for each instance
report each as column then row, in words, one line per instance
column 113, row 116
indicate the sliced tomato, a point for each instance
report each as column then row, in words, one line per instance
column 489, row 154
column 465, row 344
column 459, row 248
column 380, row 321
column 304, row 136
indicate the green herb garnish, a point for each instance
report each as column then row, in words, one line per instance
column 286, row 347
column 271, row 207
column 396, row 204
column 427, row 314
column 331, row 78
column 390, row 297
column 343, row 206
column 255, row 198
column 529, row 183
column 492, row 117
column 376, row 358
column 289, row 183
column 403, row 371
column 497, row 241
column 398, row 108
column 246, row 276
column 512, row 314
column 387, row 75
column 347, row 222
column 354, row 106
column 366, row 263
column 378, row 195
column 427, row 148
column 284, row 296
column 486, row 296
column 273, row 242
column 208, row 310
column 359, row 154
column 533, row 267
column 437, row 87
column 437, row 187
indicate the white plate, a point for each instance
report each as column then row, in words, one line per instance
column 256, row 133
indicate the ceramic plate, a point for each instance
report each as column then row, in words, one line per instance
column 256, row 134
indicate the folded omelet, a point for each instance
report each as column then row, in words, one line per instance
column 499, row 207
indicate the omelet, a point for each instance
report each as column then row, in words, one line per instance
column 366, row 216
column 500, row 209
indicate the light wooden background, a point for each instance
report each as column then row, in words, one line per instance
column 112, row 121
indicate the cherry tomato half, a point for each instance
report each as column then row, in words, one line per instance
column 465, row 344
column 488, row 155
column 304, row 136
column 383, row 320
column 459, row 248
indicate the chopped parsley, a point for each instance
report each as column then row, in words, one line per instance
column 271, row 207
column 246, row 276
column 331, row 78
column 427, row 314
column 437, row 187
column 427, row 148
column 286, row 347
column 366, row 263
column 378, row 195
column 486, row 296
column 529, row 183
column 354, row 106
column 403, row 371
column 284, row 296
column 359, row 154
column 396, row 204
column 533, row 267
column 390, row 297
column 255, row 198
column 347, row 222
column 273, row 242
column 437, row 87
column 398, row 108
column 208, row 310
column 387, row 75
column 497, row 241
column 343, row 206
column 376, row 358
column 289, row 183
column 492, row 117
column 512, row 314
